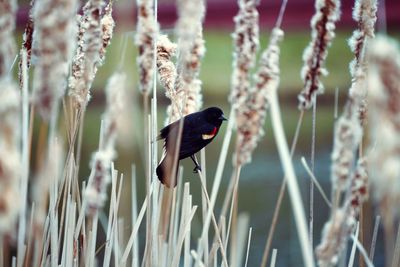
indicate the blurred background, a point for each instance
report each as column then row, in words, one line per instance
column 261, row 179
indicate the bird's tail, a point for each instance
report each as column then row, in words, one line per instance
column 166, row 173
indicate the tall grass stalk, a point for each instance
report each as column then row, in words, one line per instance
column 294, row 191
column 281, row 194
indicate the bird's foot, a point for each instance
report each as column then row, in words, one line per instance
column 197, row 169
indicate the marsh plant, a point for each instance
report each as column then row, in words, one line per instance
column 52, row 216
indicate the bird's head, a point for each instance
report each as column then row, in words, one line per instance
column 214, row 115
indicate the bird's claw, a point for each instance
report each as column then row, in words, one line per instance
column 197, row 169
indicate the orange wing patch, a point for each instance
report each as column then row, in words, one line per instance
column 209, row 135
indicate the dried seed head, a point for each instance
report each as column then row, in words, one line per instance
column 188, row 98
column 107, row 26
column 359, row 186
column 10, row 157
column 54, row 26
column 384, row 122
column 347, row 137
column 334, row 237
column 147, row 31
column 246, row 43
column 165, row 66
column 322, row 34
column 251, row 116
column 100, row 177
column 7, row 26
column 87, row 56
column 364, row 14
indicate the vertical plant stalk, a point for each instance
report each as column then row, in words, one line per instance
column 294, row 191
column 282, row 191
column 346, row 180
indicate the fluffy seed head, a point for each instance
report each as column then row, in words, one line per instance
column 322, row 34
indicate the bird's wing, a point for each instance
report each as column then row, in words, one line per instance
column 165, row 132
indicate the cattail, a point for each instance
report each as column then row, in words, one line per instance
column 359, row 186
column 191, row 51
column 166, row 68
column 347, row 137
column 348, row 129
column 322, row 34
column 167, row 73
column 107, row 26
column 364, row 14
column 100, row 176
column 10, row 123
column 384, row 123
column 193, row 101
column 10, row 157
column 246, row 43
column 147, row 30
column 7, row 26
column 27, row 39
column 251, row 117
column 341, row 224
column 87, row 56
column 334, row 237
column 54, row 26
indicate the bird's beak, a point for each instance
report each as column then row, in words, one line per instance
column 222, row 118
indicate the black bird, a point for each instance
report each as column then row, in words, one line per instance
column 198, row 130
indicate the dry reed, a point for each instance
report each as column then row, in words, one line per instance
column 61, row 234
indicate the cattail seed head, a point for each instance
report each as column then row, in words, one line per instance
column 147, row 31
column 100, row 176
column 347, row 136
column 191, row 51
column 10, row 156
column 359, row 186
column 166, row 68
column 87, row 57
column 384, row 122
column 107, row 27
column 246, row 43
column 7, row 26
column 322, row 34
column 251, row 116
column 334, row 237
column 54, row 26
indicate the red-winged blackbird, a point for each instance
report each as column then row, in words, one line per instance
column 199, row 129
